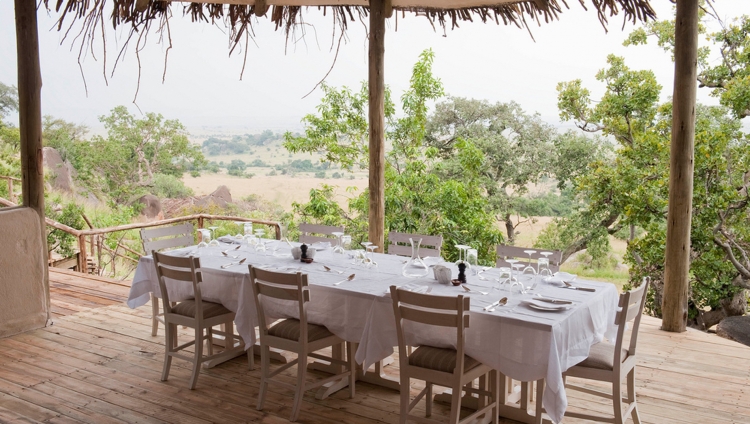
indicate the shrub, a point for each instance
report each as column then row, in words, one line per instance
column 169, row 186
column 320, row 174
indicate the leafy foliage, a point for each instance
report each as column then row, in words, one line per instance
column 419, row 197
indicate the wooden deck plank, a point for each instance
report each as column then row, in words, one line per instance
column 99, row 363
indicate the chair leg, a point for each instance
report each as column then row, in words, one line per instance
column 405, row 388
column 300, row 390
column 210, row 341
column 617, row 401
column 631, row 397
column 265, row 363
column 197, row 358
column 428, row 400
column 154, row 314
column 495, row 390
column 455, row 413
column 352, row 368
column 169, row 331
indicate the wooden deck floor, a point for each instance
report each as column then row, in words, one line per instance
column 99, row 364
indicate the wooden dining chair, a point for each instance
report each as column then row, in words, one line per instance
column 196, row 313
column 438, row 365
column 307, row 232
column 294, row 335
column 399, row 244
column 505, row 252
column 164, row 238
column 613, row 363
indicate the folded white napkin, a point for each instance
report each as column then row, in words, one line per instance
column 416, row 288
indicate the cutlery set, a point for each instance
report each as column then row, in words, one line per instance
column 240, row 262
column 491, row 307
column 349, row 278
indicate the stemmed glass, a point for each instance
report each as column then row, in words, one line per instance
column 339, row 247
column 260, row 247
column 346, row 242
column 240, row 234
column 529, row 269
column 462, row 254
column 472, row 257
column 517, row 267
column 214, row 241
column 371, row 260
column 543, row 264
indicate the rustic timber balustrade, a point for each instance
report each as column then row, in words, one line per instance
column 10, row 181
column 96, row 244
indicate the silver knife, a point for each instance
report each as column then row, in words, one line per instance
column 587, row 289
column 556, row 301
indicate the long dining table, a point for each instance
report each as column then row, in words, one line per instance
column 524, row 343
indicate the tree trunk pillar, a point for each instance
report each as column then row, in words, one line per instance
column 30, row 120
column 376, row 216
column 677, row 256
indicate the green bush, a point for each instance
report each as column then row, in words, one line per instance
column 169, row 186
column 320, row 174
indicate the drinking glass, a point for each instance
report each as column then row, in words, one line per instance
column 240, row 233
column 461, row 253
column 214, row 241
column 371, row 260
column 517, row 283
column 543, row 264
column 346, row 242
column 472, row 257
column 512, row 262
column 529, row 269
column 260, row 247
column 339, row 247
column 205, row 237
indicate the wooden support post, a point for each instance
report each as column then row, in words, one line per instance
column 677, row 256
column 377, row 123
column 30, row 120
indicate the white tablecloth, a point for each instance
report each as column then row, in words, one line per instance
column 523, row 343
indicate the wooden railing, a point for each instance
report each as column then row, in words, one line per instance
column 94, row 236
column 11, row 195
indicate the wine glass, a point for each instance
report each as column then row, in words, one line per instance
column 205, row 237
column 346, row 242
column 214, row 241
column 503, row 277
column 529, row 269
column 512, row 262
column 240, row 234
column 260, row 247
column 339, row 247
column 461, row 253
column 543, row 264
column 371, row 260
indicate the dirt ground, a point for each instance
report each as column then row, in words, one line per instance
column 279, row 189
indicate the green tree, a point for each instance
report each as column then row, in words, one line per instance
column 10, row 138
column 630, row 189
column 135, row 150
column 419, row 198
column 8, row 100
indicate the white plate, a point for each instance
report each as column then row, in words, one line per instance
column 543, row 306
column 319, row 245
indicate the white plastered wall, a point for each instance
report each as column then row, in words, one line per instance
column 23, row 304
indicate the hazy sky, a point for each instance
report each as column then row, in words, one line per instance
column 203, row 90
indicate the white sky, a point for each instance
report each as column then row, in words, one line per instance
column 203, row 90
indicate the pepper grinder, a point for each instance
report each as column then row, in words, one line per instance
column 304, row 257
column 461, row 274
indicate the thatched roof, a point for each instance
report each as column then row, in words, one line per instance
column 240, row 15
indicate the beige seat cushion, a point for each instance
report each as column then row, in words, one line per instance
column 210, row 309
column 290, row 329
column 602, row 356
column 439, row 359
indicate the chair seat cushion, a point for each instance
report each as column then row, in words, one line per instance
column 602, row 357
column 210, row 309
column 290, row 329
column 439, row 359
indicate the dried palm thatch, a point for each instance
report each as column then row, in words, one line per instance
column 85, row 20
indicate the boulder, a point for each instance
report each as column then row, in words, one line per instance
column 151, row 207
column 221, row 197
column 735, row 328
column 62, row 172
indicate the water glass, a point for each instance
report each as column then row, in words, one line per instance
column 472, row 257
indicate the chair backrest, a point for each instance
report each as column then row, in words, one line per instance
column 444, row 311
column 631, row 309
column 160, row 238
column 179, row 270
column 400, row 244
column 513, row 252
column 307, row 229
column 281, row 286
